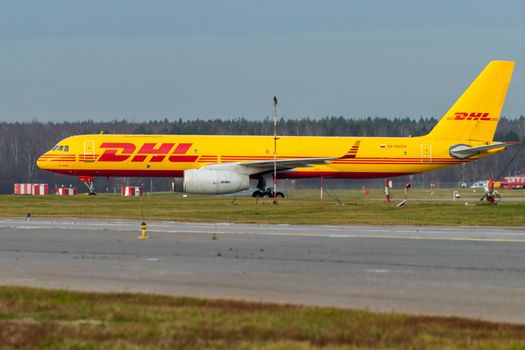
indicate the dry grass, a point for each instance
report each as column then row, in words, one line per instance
column 40, row 319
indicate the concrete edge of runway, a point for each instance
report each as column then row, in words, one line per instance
column 225, row 223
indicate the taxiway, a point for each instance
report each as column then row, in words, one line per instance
column 454, row 271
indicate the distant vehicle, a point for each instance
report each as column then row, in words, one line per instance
column 480, row 184
column 513, row 182
column 220, row 164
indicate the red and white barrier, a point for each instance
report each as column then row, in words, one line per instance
column 23, row 189
column 31, row 189
column 40, row 189
column 131, row 191
column 66, row 191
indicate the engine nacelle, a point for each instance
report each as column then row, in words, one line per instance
column 209, row 181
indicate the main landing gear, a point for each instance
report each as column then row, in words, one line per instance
column 89, row 182
column 267, row 193
column 262, row 191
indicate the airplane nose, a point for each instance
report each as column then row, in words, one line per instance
column 40, row 162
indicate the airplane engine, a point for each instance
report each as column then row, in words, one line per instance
column 208, row 181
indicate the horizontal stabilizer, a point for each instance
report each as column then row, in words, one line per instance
column 465, row 151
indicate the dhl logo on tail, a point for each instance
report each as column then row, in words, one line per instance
column 472, row 116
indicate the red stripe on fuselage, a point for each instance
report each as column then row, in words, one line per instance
column 120, row 173
column 180, row 173
column 183, row 159
column 339, row 175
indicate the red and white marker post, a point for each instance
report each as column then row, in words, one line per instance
column 387, row 192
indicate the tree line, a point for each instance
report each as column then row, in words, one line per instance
column 22, row 143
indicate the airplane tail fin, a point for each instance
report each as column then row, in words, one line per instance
column 475, row 115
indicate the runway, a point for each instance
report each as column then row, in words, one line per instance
column 454, row 271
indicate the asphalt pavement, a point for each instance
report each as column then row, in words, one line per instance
column 474, row 272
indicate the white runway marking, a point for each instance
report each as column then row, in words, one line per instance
column 378, row 271
column 284, row 230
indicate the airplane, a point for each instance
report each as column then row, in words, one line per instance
column 221, row 164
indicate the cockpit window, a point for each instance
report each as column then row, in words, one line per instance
column 61, row 148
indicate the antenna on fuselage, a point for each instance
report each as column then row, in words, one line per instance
column 275, row 150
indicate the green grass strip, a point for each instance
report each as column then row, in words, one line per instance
column 425, row 207
column 54, row 319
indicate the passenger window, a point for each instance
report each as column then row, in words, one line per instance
column 66, row 148
column 60, row 148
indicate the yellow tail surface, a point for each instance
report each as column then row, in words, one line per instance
column 475, row 115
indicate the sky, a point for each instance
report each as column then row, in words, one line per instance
column 154, row 59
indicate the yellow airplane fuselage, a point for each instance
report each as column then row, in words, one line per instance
column 166, row 155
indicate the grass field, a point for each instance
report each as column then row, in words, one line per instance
column 425, row 207
column 40, row 319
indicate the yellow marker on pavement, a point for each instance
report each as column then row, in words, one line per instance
column 143, row 228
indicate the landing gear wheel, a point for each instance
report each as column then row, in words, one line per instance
column 268, row 192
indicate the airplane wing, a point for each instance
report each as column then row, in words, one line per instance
column 464, row 151
column 256, row 167
column 285, row 164
column 262, row 166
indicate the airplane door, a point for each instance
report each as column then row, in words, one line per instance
column 89, row 151
column 426, row 153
